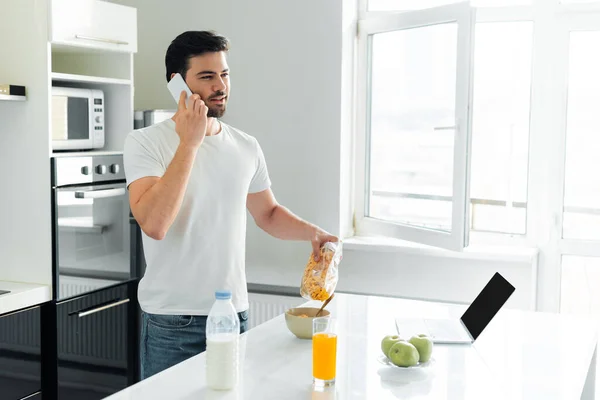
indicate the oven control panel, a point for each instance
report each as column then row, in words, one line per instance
column 71, row 170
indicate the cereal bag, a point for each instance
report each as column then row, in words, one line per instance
column 320, row 277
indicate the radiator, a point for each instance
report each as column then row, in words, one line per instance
column 264, row 307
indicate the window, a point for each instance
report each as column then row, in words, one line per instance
column 579, row 1
column 406, row 5
column 412, row 162
column 417, row 125
column 501, row 112
column 412, row 120
column 580, row 285
column 534, row 146
column 581, row 218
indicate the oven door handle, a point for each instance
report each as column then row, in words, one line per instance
column 100, row 193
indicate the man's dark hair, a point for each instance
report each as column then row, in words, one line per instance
column 191, row 44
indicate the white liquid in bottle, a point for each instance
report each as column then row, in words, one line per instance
column 222, row 361
column 222, row 343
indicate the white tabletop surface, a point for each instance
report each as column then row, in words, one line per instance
column 520, row 356
column 22, row 295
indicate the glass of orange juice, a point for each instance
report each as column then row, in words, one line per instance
column 324, row 351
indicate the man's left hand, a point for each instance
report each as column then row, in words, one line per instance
column 320, row 238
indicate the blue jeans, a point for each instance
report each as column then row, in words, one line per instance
column 167, row 340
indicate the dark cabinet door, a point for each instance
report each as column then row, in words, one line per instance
column 92, row 335
column 20, row 354
column 35, row 396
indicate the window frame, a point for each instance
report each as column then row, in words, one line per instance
column 464, row 16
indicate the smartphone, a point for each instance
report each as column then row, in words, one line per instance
column 176, row 85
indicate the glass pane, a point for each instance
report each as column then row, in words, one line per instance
column 580, row 289
column 413, row 85
column 78, row 118
column 582, row 182
column 500, row 142
column 406, row 5
column 580, row 285
column 498, row 218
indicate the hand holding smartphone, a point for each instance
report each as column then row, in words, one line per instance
column 190, row 119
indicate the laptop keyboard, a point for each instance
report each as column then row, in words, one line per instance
column 445, row 329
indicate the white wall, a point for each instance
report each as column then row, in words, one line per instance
column 25, row 235
column 292, row 73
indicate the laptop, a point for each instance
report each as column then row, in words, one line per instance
column 470, row 325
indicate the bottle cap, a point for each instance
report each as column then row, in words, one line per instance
column 223, row 294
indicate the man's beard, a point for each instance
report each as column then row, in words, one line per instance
column 216, row 112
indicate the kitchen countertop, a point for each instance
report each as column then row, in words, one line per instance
column 522, row 355
column 22, row 295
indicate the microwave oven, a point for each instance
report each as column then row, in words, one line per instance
column 77, row 118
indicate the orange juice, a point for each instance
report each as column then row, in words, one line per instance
column 324, row 354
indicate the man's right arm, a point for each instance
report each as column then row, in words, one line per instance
column 154, row 201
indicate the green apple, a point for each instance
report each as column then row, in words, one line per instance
column 387, row 343
column 424, row 346
column 404, row 354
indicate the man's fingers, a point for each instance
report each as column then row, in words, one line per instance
column 181, row 105
column 204, row 109
column 198, row 105
column 316, row 250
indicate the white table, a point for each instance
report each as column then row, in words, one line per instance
column 520, row 356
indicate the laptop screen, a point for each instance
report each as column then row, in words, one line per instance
column 487, row 304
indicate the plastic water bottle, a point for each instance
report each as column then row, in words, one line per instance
column 222, row 343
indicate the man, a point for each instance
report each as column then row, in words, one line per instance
column 190, row 180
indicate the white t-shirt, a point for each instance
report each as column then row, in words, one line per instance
column 204, row 249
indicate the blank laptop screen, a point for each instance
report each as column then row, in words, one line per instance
column 487, row 304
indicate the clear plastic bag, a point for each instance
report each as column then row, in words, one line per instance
column 321, row 277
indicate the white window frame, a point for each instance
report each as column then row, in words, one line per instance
column 464, row 16
column 568, row 21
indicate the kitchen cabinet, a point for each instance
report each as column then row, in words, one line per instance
column 64, row 43
column 96, row 352
column 94, row 24
column 99, row 59
column 20, row 354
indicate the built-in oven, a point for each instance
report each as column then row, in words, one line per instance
column 92, row 246
column 94, row 312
